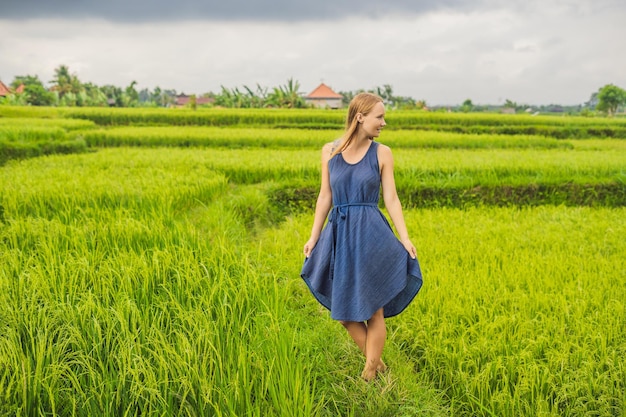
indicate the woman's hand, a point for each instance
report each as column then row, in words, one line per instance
column 409, row 247
column 308, row 246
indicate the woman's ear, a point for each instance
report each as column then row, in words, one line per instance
column 359, row 117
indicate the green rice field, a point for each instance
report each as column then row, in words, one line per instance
column 150, row 259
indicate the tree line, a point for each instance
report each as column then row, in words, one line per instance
column 67, row 90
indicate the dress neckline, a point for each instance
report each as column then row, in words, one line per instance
column 362, row 158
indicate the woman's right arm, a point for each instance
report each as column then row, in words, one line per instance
column 323, row 204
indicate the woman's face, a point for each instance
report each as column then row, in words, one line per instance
column 374, row 121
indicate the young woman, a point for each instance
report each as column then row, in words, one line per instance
column 356, row 266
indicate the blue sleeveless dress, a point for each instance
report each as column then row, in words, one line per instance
column 358, row 264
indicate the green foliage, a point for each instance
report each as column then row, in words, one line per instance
column 14, row 100
column 22, row 150
column 169, row 312
column 467, row 106
column 18, row 112
column 114, row 95
column 67, row 85
column 518, row 320
column 390, row 99
column 130, row 98
column 34, row 90
column 550, row 126
column 22, row 138
column 287, row 96
column 235, row 137
column 508, row 104
column 610, row 97
column 234, row 98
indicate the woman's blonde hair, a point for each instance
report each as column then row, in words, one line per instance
column 361, row 103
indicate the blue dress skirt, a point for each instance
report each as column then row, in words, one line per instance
column 358, row 264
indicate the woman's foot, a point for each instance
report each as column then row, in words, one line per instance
column 382, row 368
column 368, row 374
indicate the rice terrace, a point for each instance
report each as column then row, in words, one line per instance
column 150, row 258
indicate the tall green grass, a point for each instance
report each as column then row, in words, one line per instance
column 422, row 166
column 126, row 289
column 31, row 120
column 29, row 111
column 164, row 281
column 31, row 137
column 26, row 132
column 552, row 126
column 237, row 137
column 523, row 310
column 440, row 178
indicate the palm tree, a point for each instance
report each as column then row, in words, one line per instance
column 157, row 96
column 113, row 95
column 131, row 96
column 287, row 96
column 256, row 98
column 65, row 83
column 386, row 93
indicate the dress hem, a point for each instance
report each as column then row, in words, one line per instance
column 324, row 301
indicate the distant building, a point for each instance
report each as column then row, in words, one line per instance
column 5, row 91
column 324, row 97
column 182, row 100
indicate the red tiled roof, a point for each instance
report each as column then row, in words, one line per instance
column 184, row 100
column 323, row 91
column 4, row 90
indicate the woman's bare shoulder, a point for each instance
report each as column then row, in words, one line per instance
column 383, row 151
column 329, row 148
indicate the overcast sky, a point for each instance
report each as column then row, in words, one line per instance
column 441, row 51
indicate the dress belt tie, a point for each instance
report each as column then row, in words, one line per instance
column 338, row 209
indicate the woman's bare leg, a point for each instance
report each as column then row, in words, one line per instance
column 360, row 332
column 374, row 344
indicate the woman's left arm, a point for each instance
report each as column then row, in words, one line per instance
column 390, row 196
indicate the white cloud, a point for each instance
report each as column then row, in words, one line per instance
column 545, row 54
